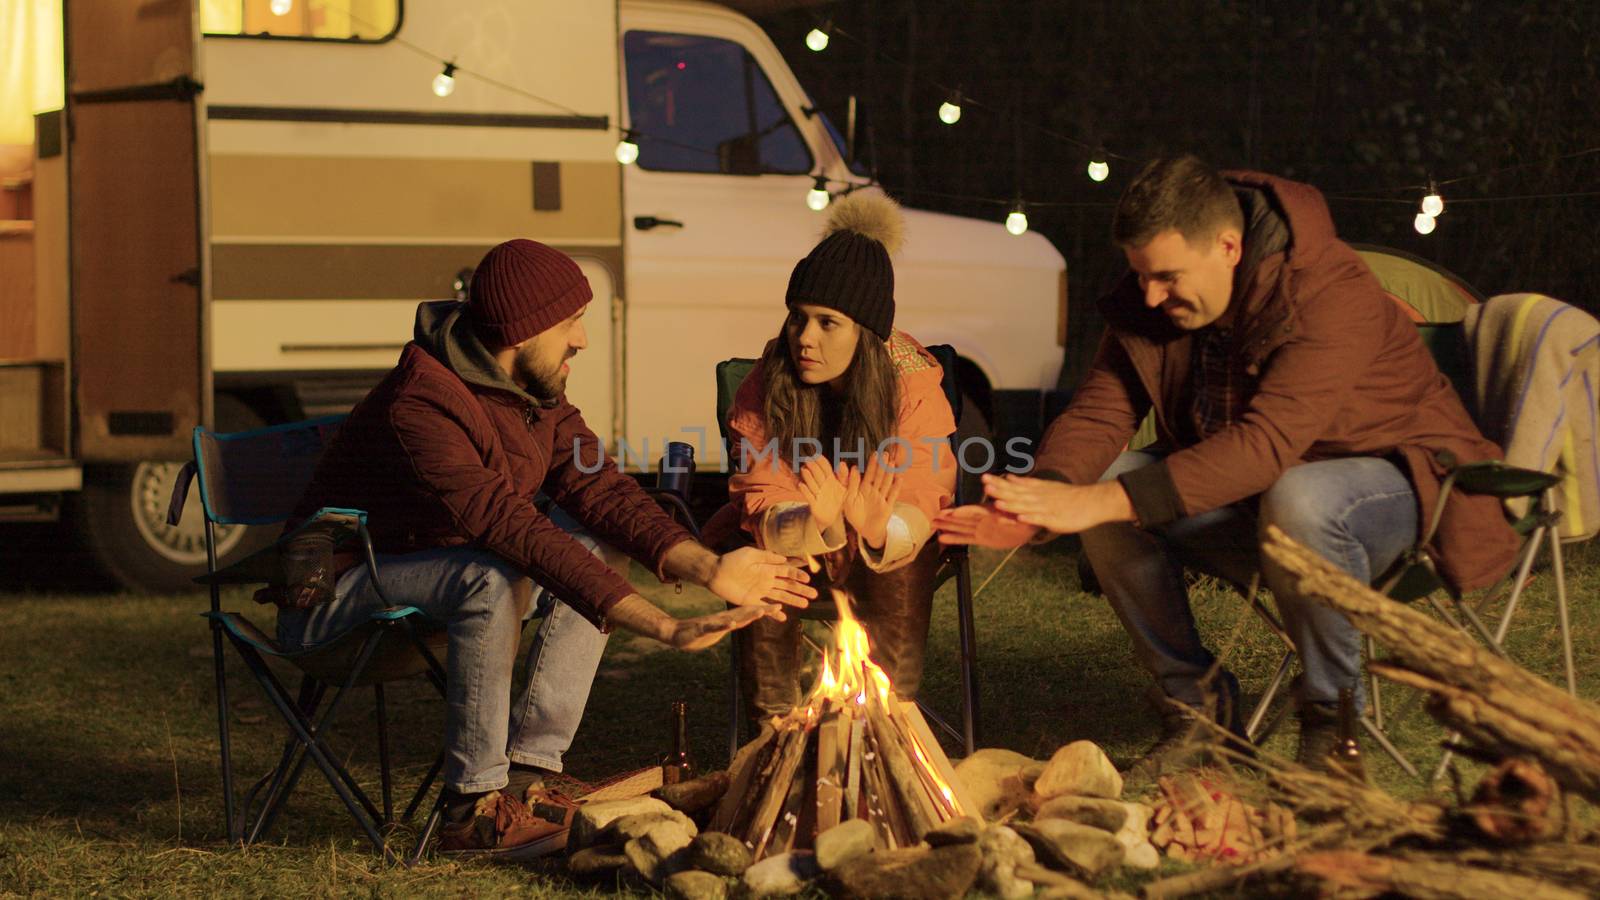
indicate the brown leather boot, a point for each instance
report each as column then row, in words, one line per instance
column 895, row 608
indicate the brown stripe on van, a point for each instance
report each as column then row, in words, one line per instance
column 356, row 271
column 319, row 198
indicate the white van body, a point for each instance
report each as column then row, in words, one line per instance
column 335, row 191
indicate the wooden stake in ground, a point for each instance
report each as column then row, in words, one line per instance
column 1494, row 702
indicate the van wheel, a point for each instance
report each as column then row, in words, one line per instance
column 122, row 515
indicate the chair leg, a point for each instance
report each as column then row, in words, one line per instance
column 969, row 655
column 1389, row 747
column 1558, row 570
column 1374, row 686
column 383, row 755
column 422, row 789
column 234, row 829
column 313, row 747
column 428, row 828
column 1252, row 729
column 284, row 778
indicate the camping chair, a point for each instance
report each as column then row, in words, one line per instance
column 256, row 478
column 954, row 562
column 1415, row 577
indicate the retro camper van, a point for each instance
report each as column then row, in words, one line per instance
column 240, row 203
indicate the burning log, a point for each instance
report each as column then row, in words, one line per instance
column 851, row 751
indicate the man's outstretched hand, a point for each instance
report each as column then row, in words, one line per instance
column 701, row 632
column 640, row 616
column 982, row 525
column 750, row 576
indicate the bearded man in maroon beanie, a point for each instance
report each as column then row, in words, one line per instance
column 447, row 455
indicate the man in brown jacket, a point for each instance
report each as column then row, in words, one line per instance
column 1286, row 389
column 447, row 455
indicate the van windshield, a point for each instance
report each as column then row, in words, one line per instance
column 703, row 104
column 857, row 165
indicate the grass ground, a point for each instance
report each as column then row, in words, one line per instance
column 108, row 772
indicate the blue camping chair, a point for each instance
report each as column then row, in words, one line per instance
column 257, row 478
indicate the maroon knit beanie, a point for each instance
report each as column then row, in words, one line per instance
column 522, row 288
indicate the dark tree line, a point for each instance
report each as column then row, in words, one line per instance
column 1349, row 96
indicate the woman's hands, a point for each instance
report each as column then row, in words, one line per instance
column 823, row 492
column 864, row 500
column 869, row 500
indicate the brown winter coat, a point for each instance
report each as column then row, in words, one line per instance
column 1341, row 372
column 446, row 451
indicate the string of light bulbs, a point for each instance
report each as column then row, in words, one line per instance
column 1429, row 208
column 950, row 112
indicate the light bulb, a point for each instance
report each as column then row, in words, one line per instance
column 444, row 83
column 950, row 110
column 1432, row 205
column 817, row 40
column 1098, row 170
column 818, row 197
column 627, row 149
column 1424, row 223
column 1017, row 221
column 281, row 7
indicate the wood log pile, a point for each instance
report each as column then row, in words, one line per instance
column 1198, row 818
column 840, row 759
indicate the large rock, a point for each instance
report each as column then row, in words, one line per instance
column 696, row 886
column 695, row 795
column 592, row 817
column 1082, row 769
column 670, row 829
column 964, row 830
column 1096, row 812
column 844, row 842
column 718, row 853
column 913, row 873
column 1073, row 848
column 995, row 781
column 778, row 876
column 596, row 861
column 1003, row 851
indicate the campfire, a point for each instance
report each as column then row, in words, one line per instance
column 851, row 750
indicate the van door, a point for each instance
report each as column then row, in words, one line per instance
column 715, row 212
column 137, row 272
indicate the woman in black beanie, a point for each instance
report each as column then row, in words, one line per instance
column 840, row 443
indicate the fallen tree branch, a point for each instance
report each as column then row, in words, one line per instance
column 1426, row 878
column 1492, row 700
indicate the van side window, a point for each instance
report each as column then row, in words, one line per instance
column 702, row 104
column 358, row 21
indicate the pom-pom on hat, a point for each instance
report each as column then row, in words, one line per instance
column 849, row 269
column 522, row 288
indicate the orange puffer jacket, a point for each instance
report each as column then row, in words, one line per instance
column 766, row 491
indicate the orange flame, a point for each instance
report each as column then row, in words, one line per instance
column 850, row 673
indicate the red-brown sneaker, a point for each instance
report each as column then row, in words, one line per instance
column 503, row 827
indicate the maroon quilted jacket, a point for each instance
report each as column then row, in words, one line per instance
column 446, row 451
column 1339, row 372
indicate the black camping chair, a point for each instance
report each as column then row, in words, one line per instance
column 954, row 563
column 256, row 478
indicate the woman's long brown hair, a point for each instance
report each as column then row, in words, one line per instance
column 858, row 419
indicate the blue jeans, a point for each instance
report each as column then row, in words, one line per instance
column 1359, row 513
column 482, row 601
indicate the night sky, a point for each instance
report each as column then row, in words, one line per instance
column 1367, row 101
